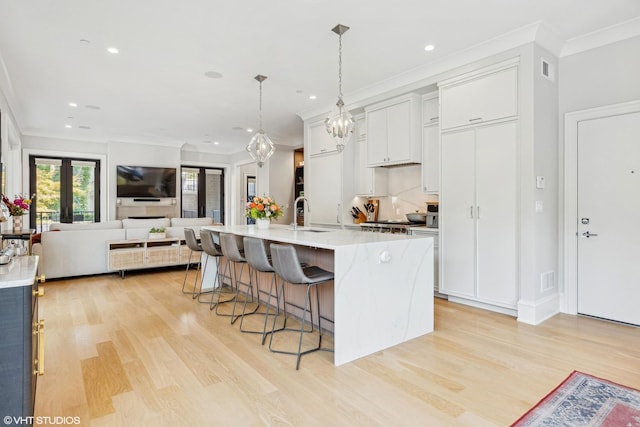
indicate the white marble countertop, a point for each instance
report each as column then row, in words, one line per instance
column 432, row 230
column 325, row 238
column 21, row 271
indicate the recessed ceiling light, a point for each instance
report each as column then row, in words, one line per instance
column 312, row 97
column 429, row 47
column 73, row 104
column 113, row 50
column 213, row 75
column 92, row 107
column 249, row 130
column 68, row 126
column 216, row 143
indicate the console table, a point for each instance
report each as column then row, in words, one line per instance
column 136, row 254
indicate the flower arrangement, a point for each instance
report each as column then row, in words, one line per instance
column 19, row 206
column 263, row 208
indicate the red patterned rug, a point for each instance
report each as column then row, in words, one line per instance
column 585, row 401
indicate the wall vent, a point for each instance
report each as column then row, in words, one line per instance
column 547, row 281
column 547, row 70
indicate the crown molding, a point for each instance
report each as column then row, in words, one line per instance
column 612, row 34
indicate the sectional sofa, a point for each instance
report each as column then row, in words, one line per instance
column 69, row 250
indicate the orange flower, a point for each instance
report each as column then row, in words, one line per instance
column 260, row 207
column 274, row 208
column 252, row 205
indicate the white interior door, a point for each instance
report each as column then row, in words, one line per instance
column 609, row 212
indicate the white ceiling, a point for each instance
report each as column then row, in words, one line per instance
column 155, row 90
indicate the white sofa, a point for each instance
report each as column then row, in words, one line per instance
column 69, row 250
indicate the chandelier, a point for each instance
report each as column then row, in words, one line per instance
column 260, row 148
column 340, row 124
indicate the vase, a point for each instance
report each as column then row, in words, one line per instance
column 17, row 224
column 263, row 223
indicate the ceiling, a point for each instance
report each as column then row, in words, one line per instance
column 155, row 89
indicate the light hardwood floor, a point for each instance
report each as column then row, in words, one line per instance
column 136, row 352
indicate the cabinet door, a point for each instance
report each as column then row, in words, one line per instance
column 496, row 213
column 431, row 159
column 399, row 132
column 485, row 98
column 457, row 222
column 323, row 188
column 376, row 137
column 430, row 111
column 318, row 139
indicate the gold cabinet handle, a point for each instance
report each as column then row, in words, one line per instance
column 42, row 279
column 39, row 362
column 39, row 292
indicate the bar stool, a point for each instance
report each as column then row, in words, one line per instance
column 287, row 266
column 255, row 252
column 231, row 249
column 194, row 246
column 213, row 250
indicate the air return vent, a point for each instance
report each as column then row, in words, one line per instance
column 547, row 70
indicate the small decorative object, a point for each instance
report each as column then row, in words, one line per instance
column 17, row 208
column 263, row 210
column 157, row 233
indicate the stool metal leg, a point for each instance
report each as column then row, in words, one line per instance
column 195, row 282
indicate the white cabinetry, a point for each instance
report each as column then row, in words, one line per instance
column 480, row 98
column 393, row 132
column 318, row 139
column 368, row 181
column 430, row 145
column 323, row 188
column 478, row 210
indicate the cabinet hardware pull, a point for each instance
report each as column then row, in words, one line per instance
column 42, row 278
column 475, row 119
column 471, row 211
column 40, row 361
column 323, row 150
column 434, row 118
column 38, row 292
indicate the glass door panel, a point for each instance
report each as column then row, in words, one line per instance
column 83, row 189
column 203, row 193
column 47, row 188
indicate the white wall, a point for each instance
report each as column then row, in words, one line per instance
column 597, row 77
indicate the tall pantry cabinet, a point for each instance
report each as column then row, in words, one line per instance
column 478, row 193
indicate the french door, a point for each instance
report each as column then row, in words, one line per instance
column 67, row 190
column 202, row 193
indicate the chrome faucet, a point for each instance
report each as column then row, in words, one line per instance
column 295, row 211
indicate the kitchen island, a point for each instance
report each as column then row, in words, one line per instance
column 382, row 294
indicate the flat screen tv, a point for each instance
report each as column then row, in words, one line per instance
column 145, row 181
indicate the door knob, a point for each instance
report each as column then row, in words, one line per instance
column 587, row 234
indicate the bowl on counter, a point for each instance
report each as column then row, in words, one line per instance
column 5, row 259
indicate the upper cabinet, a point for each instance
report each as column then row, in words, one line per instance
column 318, row 139
column 393, row 132
column 368, row 181
column 480, row 98
column 430, row 145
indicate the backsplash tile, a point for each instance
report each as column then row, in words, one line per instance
column 405, row 194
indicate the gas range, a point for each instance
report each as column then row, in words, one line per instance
column 389, row 226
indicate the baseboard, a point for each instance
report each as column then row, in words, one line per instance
column 485, row 306
column 536, row 312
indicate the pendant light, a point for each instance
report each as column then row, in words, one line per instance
column 260, row 148
column 340, row 124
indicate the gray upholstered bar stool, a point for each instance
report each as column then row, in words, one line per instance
column 287, row 266
column 255, row 252
column 195, row 247
column 213, row 250
column 233, row 251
